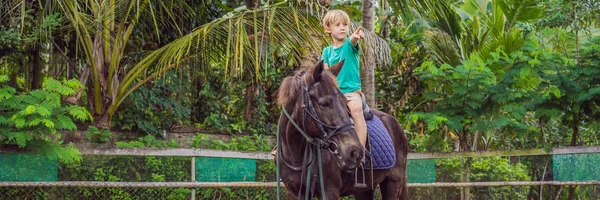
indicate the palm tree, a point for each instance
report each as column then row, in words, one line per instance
column 368, row 65
column 26, row 27
column 237, row 43
column 224, row 43
column 103, row 28
column 459, row 29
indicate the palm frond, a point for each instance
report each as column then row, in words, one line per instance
column 508, row 42
column 225, row 43
column 446, row 19
column 380, row 48
column 519, row 10
column 443, row 47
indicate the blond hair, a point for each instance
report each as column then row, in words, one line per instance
column 335, row 16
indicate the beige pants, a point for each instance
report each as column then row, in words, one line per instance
column 355, row 104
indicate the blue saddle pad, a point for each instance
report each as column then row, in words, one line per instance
column 382, row 148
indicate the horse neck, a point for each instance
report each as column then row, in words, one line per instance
column 293, row 143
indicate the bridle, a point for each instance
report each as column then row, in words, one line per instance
column 313, row 143
column 328, row 131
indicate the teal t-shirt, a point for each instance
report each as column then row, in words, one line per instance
column 349, row 77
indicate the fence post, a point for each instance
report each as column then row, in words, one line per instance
column 193, row 177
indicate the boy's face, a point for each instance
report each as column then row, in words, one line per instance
column 339, row 30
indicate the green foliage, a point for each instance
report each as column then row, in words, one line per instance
column 149, row 141
column 510, row 93
column 129, row 169
column 265, row 168
column 220, row 106
column 484, row 169
column 560, row 13
column 154, row 109
column 98, row 136
column 237, row 143
column 167, row 169
column 34, row 120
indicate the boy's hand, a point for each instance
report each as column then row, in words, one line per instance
column 357, row 35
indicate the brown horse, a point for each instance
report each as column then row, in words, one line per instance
column 319, row 151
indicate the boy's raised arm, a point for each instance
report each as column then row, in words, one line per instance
column 357, row 35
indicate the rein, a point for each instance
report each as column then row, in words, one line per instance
column 313, row 143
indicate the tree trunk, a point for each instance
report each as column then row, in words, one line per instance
column 252, row 4
column 385, row 30
column 13, row 79
column 74, row 99
column 575, row 128
column 249, row 108
column 596, row 193
column 368, row 65
column 105, row 99
column 197, row 114
column 250, row 97
column 36, row 71
column 530, row 194
column 464, row 146
column 576, row 32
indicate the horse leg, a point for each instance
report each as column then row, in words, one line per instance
column 367, row 195
column 332, row 194
column 394, row 186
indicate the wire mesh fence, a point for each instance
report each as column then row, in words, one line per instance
column 133, row 193
column 268, row 190
column 129, row 190
column 93, row 193
column 581, row 192
column 171, row 177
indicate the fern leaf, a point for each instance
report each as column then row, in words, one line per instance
column 43, row 111
column 4, row 121
column 34, row 122
column 39, row 95
column 30, row 100
column 12, row 103
column 69, row 154
column 30, row 109
column 66, row 91
column 3, row 78
column 6, row 92
column 74, row 83
column 53, row 100
column 19, row 121
column 20, row 138
column 48, row 123
column 53, row 85
column 66, row 123
column 590, row 94
column 80, row 113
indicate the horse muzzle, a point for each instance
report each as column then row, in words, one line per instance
column 351, row 158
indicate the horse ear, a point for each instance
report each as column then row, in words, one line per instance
column 317, row 71
column 335, row 69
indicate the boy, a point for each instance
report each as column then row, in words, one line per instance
column 346, row 48
column 336, row 24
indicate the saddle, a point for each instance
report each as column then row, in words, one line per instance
column 382, row 149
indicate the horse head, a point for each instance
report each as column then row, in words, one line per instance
column 319, row 109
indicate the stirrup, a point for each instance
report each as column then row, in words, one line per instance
column 274, row 151
column 356, row 183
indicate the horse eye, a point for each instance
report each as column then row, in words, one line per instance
column 324, row 102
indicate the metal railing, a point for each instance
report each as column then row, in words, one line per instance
column 222, row 190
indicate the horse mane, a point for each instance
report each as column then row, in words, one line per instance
column 291, row 86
